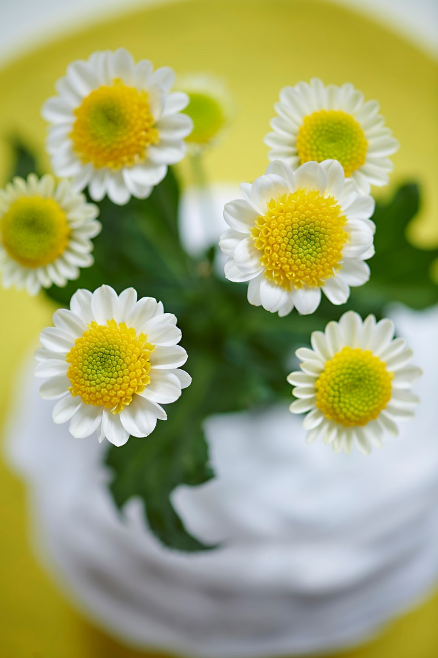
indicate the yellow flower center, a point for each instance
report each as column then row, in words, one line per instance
column 332, row 135
column 109, row 365
column 34, row 231
column 301, row 238
column 114, row 127
column 353, row 388
column 207, row 115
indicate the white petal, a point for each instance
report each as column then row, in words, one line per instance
column 406, row 376
column 305, row 392
column 254, row 291
column 167, row 151
column 306, row 300
column 272, row 296
column 361, row 208
column 140, row 418
column 382, row 336
column 304, row 354
column 65, row 408
column 333, row 337
column 246, row 256
column 313, row 419
column 233, row 273
column 175, row 102
column 287, row 307
column 80, row 304
column 69, row 322
column 335, row 177
column 355, row 272
column 55, row 387
column 163, row 388
column 320, row 346
column 311, row 176
column 122, row 66
column 399, row 360
column 104, row 304
column 351, row 326
column 266, row 188
column 388, row 423
column 174, row 127
column 301, row 379
column 127, row 301
column 85, row 421
column 284, row 171
column 336, row 290
column 168, row 357
column 51, row 368
column 165, row 334
column 240, row 216
column 184, row 378
column 117, row 190
column 56, row 340
column 145, row 174
column 113, row 429
column 163, row 77
column 301, row 406
column 229, row 241
column 144, row 310
column 81, row 78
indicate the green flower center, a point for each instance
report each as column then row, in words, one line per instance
column 353, row 388
column 109, row 364
column 332, row 135
column 34, row 231
column 207, row 116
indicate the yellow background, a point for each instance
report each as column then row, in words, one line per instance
column 257, row 47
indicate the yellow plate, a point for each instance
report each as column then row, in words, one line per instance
column 258, row 47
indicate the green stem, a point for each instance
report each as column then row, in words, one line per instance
column 206, row 203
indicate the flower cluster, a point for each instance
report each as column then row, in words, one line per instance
column 300, row 230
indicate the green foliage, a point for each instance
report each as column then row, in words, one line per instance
column 238, row 354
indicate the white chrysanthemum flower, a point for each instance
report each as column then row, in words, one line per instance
column 115, row 126
column 317, row 123
column 45, row 233
column 210, row 108
column 297, row 233
column 355, row 383
column 111, row 361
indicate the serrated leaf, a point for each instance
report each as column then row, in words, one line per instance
column 400, row 271
column 175, row 453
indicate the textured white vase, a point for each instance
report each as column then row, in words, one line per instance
column 318, row 550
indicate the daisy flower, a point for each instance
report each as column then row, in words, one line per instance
column 355, row 383
column 45, row 233
column 297, row 233
column 210, row 108
column 115, row 125
column 317, row 123
column 111, row 361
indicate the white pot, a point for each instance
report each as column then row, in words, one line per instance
column 319, row 550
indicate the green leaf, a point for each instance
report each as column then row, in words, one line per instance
column 400, row 271
column 138, row 247
column 24, row 161
column 175, row 453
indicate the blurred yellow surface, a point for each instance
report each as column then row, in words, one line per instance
column 257, row 46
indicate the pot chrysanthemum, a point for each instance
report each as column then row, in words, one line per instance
column 210, row 108
column 355, row 383
column 317, row 123
column 111, row 361
column 45, row 233
column 303, row 230
column 295, row 234
column 116, row 126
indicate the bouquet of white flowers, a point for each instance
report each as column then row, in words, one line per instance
column 104, row 243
